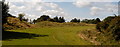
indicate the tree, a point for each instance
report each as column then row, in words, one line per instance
column 21, row 16
column 61, row 19
column 52, row 20
column 75, row 20
column 4, row 7
column 98, row 20
column 91, row 21
column 78, row 20
column 26, row 20
column 5, row 10
column 109, row 18
column 85, row 21
column 47, row 18
column 31, row 21
column 34, row 21
column 56, row 19
column 43, row 18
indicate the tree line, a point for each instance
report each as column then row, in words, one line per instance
column 91, row 21
column 47, row 18
column 62, row 20
column 57, row 19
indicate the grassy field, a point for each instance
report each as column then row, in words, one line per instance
column 66, row 35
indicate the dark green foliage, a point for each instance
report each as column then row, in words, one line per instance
column 78, row 20
column 5, row 14
column 5, row 10
column 97, row 20
column 61, row 19
column 91, row 21
column 47, row 18
column 43, row 18
column 52, row 20
column 85, row 21
column 75, row 20
column 26, row 20
column 110, row 27
column 108, row 19
column 21, row 16
column 102, row 26
column 31, row 21
column 34, row 21
column 105, row 23
column 56, row 19
column 114, row 27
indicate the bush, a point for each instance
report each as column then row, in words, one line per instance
column 14, row 23
column 110, row 27
column 102, row 26
column 114, row 27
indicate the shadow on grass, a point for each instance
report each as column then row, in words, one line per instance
column 8, row 35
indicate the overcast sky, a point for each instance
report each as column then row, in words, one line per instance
column 78, row 9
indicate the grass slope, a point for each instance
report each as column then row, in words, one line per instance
column 66, row 35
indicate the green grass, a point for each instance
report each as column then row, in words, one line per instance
column 66, row 35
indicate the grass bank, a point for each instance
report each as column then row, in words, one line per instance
column 59, row 35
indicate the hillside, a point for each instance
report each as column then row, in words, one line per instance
column 49, row 34
column 15, row 23
column 107, row 32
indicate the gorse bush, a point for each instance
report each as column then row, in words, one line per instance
column 15, row 23
column 102, row 26
column 107, row 32
column 114, row 27
column 110, row 28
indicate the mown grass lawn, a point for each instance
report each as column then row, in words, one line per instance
column 66, row 35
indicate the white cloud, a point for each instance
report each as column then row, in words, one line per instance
column 107, row 8
column 96, row 7
column 35, row 9
column 23, row 0
column 95, row 10
column 31, row 16
column 61, row 0
column 52, row 5
column 88, row 3
column 54, row 13
column 40, row 8
column 111, row 7
column 81, row 3
column 21, row 7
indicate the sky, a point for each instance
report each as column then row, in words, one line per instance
column 69, row 10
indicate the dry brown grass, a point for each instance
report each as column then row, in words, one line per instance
column 15, row 23
column 89, row 35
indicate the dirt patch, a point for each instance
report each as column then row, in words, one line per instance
column 91, row 38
